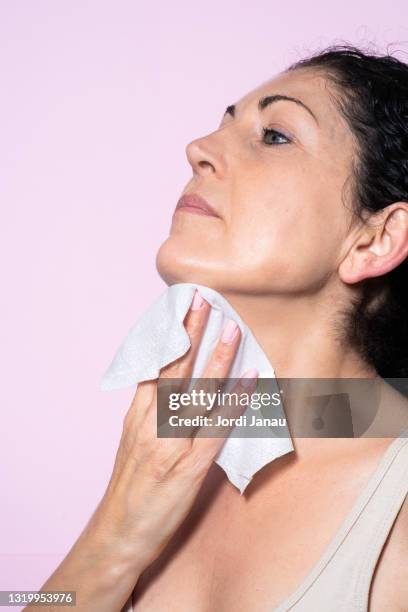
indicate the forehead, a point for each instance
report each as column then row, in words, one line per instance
column 313, row 89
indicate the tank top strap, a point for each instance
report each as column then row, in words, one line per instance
column 128, row 605
column 379, row 516
column 340, row 581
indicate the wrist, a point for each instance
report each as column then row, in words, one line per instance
column 106, row 544
column 110, row 558
column 102, row 579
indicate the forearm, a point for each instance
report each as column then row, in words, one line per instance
column 102, row 579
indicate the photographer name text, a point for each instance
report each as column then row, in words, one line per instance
column 220, row 421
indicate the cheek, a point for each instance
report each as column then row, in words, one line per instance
column 289, row 243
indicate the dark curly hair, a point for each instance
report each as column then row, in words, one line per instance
column 371, row 92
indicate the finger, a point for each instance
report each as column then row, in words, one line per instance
column 216, row 370
column 219, row 363
column 211, row 438
column 175, row 377
column 194, row 323
column 144, row 395
column 233, row 403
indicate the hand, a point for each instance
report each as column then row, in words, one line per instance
column 156, row 480
column 153, row 485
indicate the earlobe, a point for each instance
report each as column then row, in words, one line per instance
column 380, row 248
column 355, row 267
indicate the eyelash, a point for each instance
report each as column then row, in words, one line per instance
column 267, row 131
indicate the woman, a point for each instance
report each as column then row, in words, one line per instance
column 307, row 177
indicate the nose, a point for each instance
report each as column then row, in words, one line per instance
column 206, row 156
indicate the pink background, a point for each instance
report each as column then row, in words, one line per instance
column 99, row 100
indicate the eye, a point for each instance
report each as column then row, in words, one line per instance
column 275, row 137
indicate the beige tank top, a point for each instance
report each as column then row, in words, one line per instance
column 340, row 581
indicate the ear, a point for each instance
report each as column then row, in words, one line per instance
column 381, row 245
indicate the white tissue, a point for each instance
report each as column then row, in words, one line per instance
column 159, row 337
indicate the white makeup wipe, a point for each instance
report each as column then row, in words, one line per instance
column 159, row 337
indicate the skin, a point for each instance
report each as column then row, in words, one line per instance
column 283, row 252
column 288, row 255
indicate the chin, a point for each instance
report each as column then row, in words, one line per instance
column 175, row 265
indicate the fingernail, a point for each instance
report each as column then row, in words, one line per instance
column 229, row 332
column 248, row 379
column 197, row 302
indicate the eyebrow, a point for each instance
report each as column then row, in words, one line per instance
column 266, row 101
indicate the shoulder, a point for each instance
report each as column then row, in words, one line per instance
column 389, row 589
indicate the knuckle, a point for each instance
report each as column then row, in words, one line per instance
column 164, row 460
column 158, row 469
column 144, row 442
column 194, row 464
column 222, row 357
column 143, row 438
column 183, row 460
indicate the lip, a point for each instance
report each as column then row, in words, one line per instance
column 192, row 202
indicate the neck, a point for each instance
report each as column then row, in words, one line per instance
column 300, row 340
column 299, row 337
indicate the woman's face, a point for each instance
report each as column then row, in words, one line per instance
column 279, row 196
